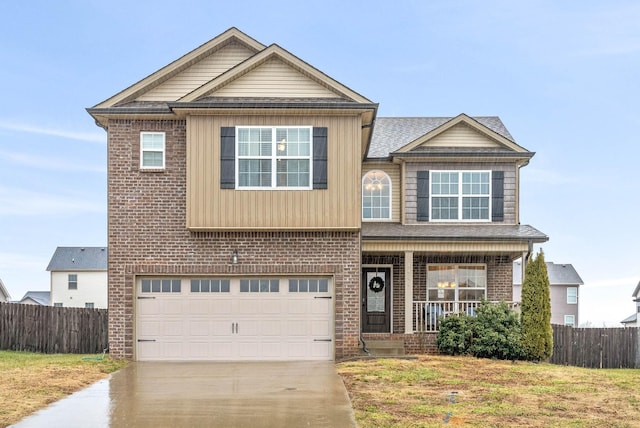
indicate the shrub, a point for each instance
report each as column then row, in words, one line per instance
column 536, row 311
column 454, row 336
column 494, row 332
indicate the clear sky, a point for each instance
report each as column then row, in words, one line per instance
column 562, row 75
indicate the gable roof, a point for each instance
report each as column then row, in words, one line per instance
column 39, row 297
column 78, row 258
column 395, row 135
column 559, row 274
column 636, row 291
column 182, row 63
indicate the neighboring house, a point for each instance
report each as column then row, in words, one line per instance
column 632, row 320
column 564, row 291
column 4, row 294
column 79, row 277
column 42, row 298
column 259, row 210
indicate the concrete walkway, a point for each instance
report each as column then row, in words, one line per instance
column 280, row 394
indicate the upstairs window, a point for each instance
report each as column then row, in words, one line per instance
column 152, row 150
column 572, row 295
column 376, row 196
column 460, row 195
column 73, row 281
column 274, row 157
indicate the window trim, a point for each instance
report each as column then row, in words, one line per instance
column 574, row 300
column 388, row 178
column 457, row 286
column 274, row 158
column 460, row 196
column 163, row 150
column 70, row 281
column 573, row 320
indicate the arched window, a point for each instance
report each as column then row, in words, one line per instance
column 376, row 196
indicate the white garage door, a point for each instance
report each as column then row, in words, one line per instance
column 227, row 319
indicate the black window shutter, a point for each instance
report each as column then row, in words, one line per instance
column 423, row 196
column 228, row 157
column 320, row 158
column 497, row 193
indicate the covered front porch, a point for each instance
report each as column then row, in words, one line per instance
column 427, row 278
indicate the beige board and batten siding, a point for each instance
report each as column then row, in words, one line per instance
column 510, row 184
column 462, row 135
column 274, row 78
column 209, row 207
column 393, row 171
column 199, row 73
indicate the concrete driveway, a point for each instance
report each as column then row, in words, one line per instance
column 280, row 394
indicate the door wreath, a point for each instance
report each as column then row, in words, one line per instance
column 376, row 284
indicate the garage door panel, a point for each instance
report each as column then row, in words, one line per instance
column 268, row 324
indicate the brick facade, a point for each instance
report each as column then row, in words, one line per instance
column 147, row 236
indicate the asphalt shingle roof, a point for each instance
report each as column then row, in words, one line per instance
column 392, row 133
column 78, row 258
column 41, row 297
column 559, row 273
column 426, row 232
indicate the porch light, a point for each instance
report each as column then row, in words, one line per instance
column 234, row 257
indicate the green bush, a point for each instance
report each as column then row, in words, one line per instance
column 494, row 332
column 454, row 336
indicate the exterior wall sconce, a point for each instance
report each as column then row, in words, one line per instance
column 234, row 257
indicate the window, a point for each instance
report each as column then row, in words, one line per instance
column 161, row 285
column 376, row 196
column 259, row 286
column 308, row 285
column 274, row 157
column 57, row 305
column 570, row 320
column 456, row 283
column 152, row 150
column 89, row 305
column 572, row 295
column 210, row 285
column 73, row 281
column 460, row 195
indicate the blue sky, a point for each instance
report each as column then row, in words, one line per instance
column 563, row 76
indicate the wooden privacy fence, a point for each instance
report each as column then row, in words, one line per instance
column 51, row 330
column 605, row 348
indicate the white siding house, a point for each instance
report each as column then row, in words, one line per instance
column 4, row 294
column 79, row 277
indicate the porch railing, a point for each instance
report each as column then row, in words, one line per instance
column 428, row 315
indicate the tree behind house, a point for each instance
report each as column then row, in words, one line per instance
column 536, row 311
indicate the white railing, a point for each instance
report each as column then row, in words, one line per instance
column 427, row 315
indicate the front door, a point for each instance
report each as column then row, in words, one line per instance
column 376, row 300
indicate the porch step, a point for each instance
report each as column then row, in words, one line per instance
column 385, row 348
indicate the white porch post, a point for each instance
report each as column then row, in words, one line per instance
column 408, row 292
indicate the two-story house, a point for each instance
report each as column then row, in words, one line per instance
column 79, row 277
column 564, row 291
column 260, row 210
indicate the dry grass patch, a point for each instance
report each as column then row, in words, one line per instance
column 465, row 391
column 30, row 381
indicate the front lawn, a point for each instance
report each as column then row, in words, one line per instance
column 30, row 381
column 435, row 391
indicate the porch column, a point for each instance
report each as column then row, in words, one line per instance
column 408, row 292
